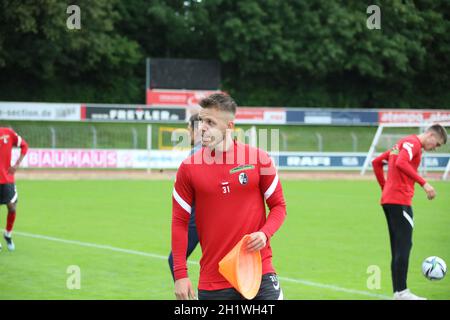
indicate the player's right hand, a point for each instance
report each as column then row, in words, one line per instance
column 184, row 290
column 429, row 190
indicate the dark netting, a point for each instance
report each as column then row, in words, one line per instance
column 184, row 74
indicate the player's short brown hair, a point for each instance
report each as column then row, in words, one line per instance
column 439, row 130
column 220, row 101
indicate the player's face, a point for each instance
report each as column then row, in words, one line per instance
column 432, row 142
column 213, row 126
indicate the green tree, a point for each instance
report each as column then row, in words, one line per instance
column 36, row 47
column 292, row 52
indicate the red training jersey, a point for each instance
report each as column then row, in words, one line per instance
column 8, row 140
column 229, row 190
column 403, row 160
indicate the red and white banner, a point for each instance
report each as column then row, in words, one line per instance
column 162, row 159
column 260, row 115
column 413, row 116
column 186, row 98
column 100, row 159
column 71, row 158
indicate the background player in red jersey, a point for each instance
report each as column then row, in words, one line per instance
column 196, row 144
column 397, row 193
column 230, row 183
column 8, row 190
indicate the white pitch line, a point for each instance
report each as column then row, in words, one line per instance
column 336, row 288
column 98, row 246
column 161, row 257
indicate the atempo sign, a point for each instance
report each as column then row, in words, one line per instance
column 413, row 116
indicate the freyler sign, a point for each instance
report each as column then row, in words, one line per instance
column 132, row 113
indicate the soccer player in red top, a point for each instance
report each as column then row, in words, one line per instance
column 397, row 193
column 230, row 184
column 8, row 191
column 196, row 144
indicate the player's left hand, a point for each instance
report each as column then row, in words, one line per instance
column 12, row 169
column 429, row 190
column 257, row 241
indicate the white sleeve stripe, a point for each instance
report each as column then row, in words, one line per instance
column 181, row 202
column 272, row 187
column 19, row 140
column 408, row 147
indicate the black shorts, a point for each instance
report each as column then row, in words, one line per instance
column 8, row 193
column 270, row 290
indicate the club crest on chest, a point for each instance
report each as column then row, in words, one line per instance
column 243, row 178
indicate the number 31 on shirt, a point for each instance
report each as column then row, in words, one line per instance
column 225, row 187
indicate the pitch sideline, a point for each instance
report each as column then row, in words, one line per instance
column 161, row 257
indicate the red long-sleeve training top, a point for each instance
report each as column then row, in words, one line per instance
column 9, row 139
column 229, row 190
column 403, row 160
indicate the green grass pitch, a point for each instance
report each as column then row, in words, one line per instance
column 334, row 231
